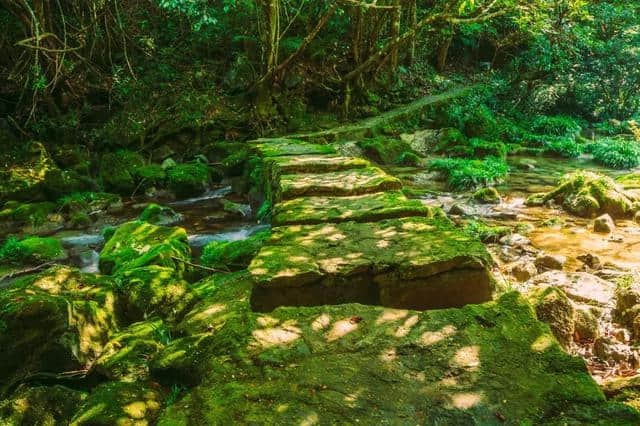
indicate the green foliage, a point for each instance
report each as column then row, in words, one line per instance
column 13, row 251
column 385, row 150
column 119, row 171
column 408, row 159
column 563, row 147
column 560, row 125
column 189, row 179
column 464, row 174
column 234, row 255
column 616, row 153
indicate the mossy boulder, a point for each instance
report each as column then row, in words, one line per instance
column 58, row 183
column 32, row 250
column 87, row 202
column 121, row 403
column 125, row 357
column 188, row 180
column 160, row 215
column 487, row 196
column 415, row 263
column 27, row 213
column 24, row 179
column 233, row 255
column 388, row 151
column 339, row 364
column 136, row 244
column 587, row 194
column 118, row 171
column 52, row 322
column 554, row 308
column 153, row 290
column 41, row 406
column 625, row 390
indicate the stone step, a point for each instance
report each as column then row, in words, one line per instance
column 289, row 165
column 360, row 208
column 290, row 147
column 411, row 263
column 343, row 183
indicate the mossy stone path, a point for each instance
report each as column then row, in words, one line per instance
column 344, row 232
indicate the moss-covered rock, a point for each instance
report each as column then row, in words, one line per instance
column 234, row 255
column 624, row 390
column 554, row 308
column 587, row 194
column 58, row 183
column 345, row 183
column 136, row 244
column 160, row 215
column 187, row 180
column 120, row 403
column 24, row 179
column 41, row 406
column 290, row 147
column 88, row 202
column 126, row 356
column 118, row 171
column 153, row 290
column 53, row 322
column 360, row 208
column 289, row 165
column 27, row 213
column 405, row 263
column 31, row 250
column 487, row 196
column 339, row 364
column 386, row 150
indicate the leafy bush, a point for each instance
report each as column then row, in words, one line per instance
column 616, row 153
column 13, row 251
column 559, row 125
column 464, row 174
column 563, row 147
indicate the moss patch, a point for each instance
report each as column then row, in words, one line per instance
column 233, row 255
column 187, row 180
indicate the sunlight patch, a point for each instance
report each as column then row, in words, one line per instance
column 389, row 315
column 270, row 337
column 542, row 343
column 405, row 328
column 341, row 328
column 466, row 400
column 467, row 357
column 321, row 322
column 433, row 337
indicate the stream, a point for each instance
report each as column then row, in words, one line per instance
column 552, row 231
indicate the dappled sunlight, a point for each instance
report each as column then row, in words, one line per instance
column 341, row 328
column 310, row 420
column 391, row 315
column 267, row 321
column 466, row 400
column 209, row 311
column 321, row 322
column 275, row 336
column 467, row 357
column 542, row 343
column 388, row 355
column 432, row 337
column 405, row 328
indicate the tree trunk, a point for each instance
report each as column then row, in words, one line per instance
column 413, row 20
column 395, row 31
column 443, row 53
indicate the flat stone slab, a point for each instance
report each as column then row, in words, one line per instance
column 412, row 263
column 355, row 364
column 290, row 147
column 289, row 165
column 343, row 183
column 360, row 208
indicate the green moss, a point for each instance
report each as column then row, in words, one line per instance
column 118, row 171
column 188, row 180
column 120, row 403
column 289, row 147
column 31, row 213
column 264, row 212
column 587, row 194
column 23, row 180
column 487, row 196
column 31, row 249
column 137, row 244
column 408, row 159
column 89, row 201
column 486, row 233
column 160, row 215
column 152, row 174
column 80, row 220
column 41, row 405
column 384, row 150
column 233, row 255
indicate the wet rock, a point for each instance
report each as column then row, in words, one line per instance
column 579, row 286
column 586, row 325
column 523, row 270
column 625, row 390
column 188, row 180
column 628, row 304
column 136, row 244
column 590, row 260
column 587, row 194
column 160, row 215
column 604, row 224
column 609, row 350
column 460, row 210
column 636, row 218
column 25, row 180
column 55, row 321
column 515, row 240
column 550, row 262
column 554, row 308
column 487, row 196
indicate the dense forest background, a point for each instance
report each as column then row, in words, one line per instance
column 133, row 72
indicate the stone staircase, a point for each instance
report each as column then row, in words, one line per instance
column 345, row 233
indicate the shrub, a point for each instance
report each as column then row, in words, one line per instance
column 188, row 180
column 563, row 147
column 559, row 125
column 616, row 153
column 464, row 174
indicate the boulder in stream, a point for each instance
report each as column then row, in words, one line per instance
column 604, row 224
